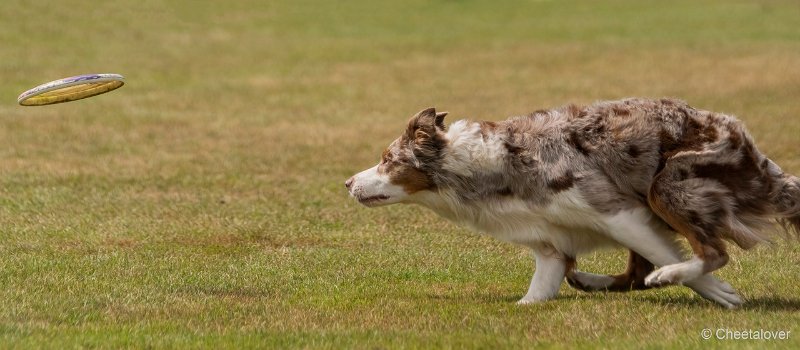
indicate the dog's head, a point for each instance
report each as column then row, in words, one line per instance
column 407, row 166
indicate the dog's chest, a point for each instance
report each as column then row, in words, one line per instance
column 567, row 222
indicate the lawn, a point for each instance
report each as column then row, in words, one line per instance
column 202, row 204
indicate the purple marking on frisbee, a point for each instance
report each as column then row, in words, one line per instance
column 81, row 78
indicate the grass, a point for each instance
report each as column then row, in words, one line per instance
column 202, row 204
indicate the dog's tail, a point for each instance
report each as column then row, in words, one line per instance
column 786, row 199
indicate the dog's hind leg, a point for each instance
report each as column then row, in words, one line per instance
column 551, row 266
column 631, row 279
column 699, row 209
column 637, row 231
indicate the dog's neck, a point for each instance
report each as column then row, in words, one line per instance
column 475, row 150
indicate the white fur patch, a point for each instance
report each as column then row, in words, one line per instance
column 637, row 230
column 568, row 222
column 550, row 270
column 715, row 290
column 676, row 273
column 372, row 188
column 468, row 151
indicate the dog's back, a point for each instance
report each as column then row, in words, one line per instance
column 700, row 166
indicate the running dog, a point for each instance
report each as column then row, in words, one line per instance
column 636, row 173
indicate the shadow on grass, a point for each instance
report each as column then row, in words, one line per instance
column 765, row 303
column 769, row 303
column 772, row 303
column 488, row 297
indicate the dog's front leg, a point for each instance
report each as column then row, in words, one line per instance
column 551, row 267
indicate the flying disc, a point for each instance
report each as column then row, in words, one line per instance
column 71, row 89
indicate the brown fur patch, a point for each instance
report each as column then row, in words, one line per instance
column 695, row 136
column 634, row 151
column 505, row 191
column 733, row 176
column 511, row 149
column 487, row 128
column 748, row 183
column 667, row 101
column 666, row 141
column 735, row 140
column 386, row 155
column 571, row 264
column 573, row 110
column 633, row 277
column 562, row 183
column 412, row 180
column 618, row 110
column 574, row 140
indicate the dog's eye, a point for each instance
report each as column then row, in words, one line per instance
column 404, row 161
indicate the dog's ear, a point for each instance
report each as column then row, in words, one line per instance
column 427, row 121
column 439, row 120
column 425, row 133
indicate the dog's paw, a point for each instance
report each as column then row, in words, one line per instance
column 718, row 291
column 676, row 273
column 535, row 298
column 667, row 275
column 530, row 301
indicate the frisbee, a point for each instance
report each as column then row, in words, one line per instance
column 71, row 89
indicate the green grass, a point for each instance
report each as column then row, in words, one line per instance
column 202, row 204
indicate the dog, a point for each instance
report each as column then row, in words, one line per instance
column 637, row 173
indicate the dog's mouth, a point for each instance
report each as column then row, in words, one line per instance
column 372, row 200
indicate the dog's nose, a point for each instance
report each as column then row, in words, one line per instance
column 348, row 183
